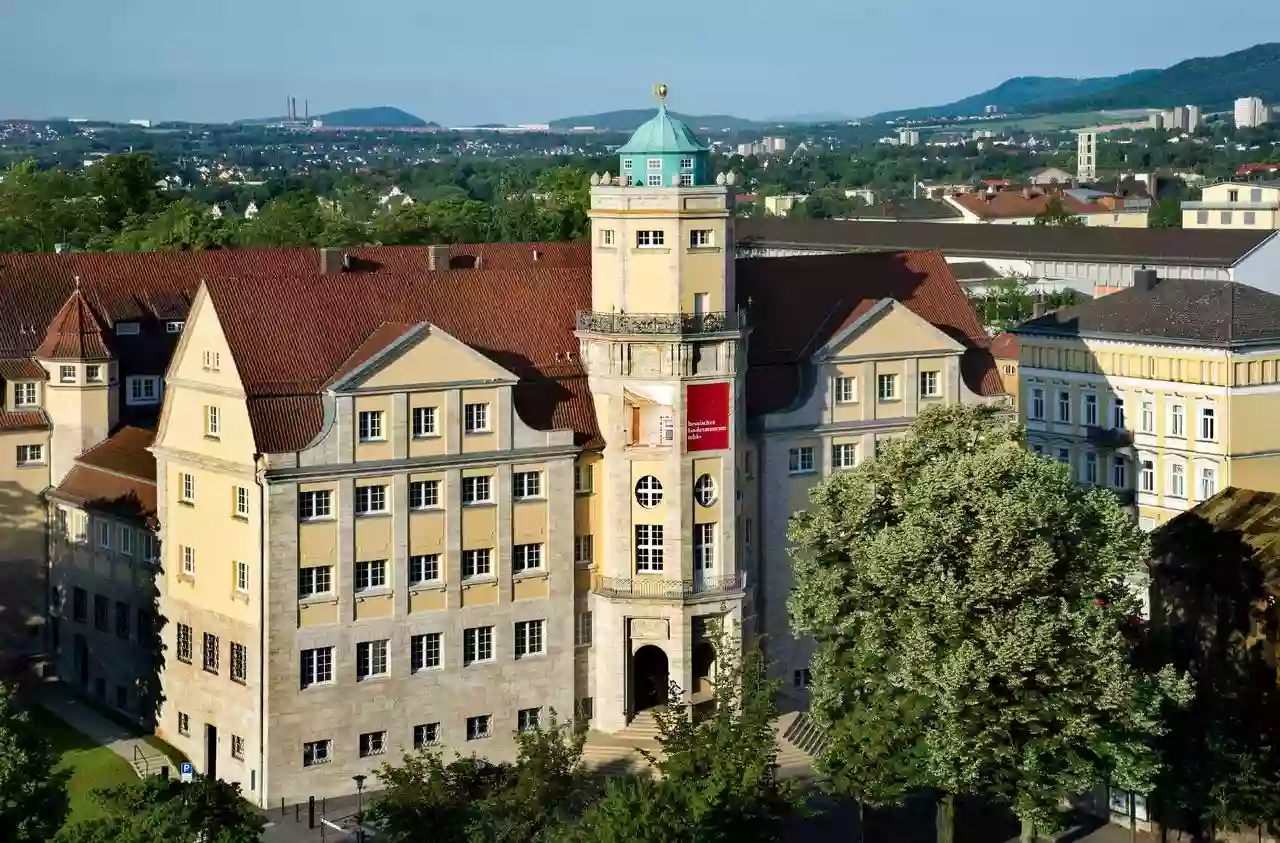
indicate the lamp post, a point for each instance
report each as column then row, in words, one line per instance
column 359, row 780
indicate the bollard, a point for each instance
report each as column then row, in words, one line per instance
column 164, row 771
column 296, row 806
column 282, row 806
column 311, row 812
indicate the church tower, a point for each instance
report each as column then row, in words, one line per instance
column 664, row 349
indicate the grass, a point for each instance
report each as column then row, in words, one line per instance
column 92, row 766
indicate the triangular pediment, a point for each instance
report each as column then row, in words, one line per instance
column 888, row 327
column 417, row 356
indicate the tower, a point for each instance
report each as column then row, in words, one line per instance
column 1086, row 156
column 663, row 346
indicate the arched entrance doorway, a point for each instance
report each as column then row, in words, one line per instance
column 704, row 668
column 649, row 669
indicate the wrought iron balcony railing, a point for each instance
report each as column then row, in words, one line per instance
column 662, row 589
column 1127, row 497
column 660, row 323
column 1109, row 437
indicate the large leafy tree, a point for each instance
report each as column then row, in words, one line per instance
column 33, row 795
column 976, row 622
column 156, row 810
column 1056, row 214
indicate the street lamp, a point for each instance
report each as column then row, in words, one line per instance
column 359, row 780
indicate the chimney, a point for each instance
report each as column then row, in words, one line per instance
column 332, row 261
column 1145, row 279
column 536, row 255
column 479, row 264
column 1026, row 193
column 1038, row 308
column 437, row 257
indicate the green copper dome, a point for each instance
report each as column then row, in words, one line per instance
column 662, row 133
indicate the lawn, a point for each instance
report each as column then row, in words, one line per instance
column 92, row 766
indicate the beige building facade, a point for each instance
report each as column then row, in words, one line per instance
column 1247, row 205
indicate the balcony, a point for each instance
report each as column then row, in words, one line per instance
column 671, row 324
column 653, row 588
column 1109, row 437
column 1126, row 497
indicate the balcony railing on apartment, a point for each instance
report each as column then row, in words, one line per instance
column 652, row 588
column 661, row 323
column 1109, row 437
column 1127, row 497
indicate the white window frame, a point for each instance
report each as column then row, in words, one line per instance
column 1176, row 487
column 1148, row 417
column 648, row 491
column 583, row 549
column 104, row 534
column 686, row 179
column 930, row 384
column 174, row 326
column 653, row 180
column 1147, row 469
column 370, row 427
column 212, row 422
column 705, row 490
column 477, row 489
column 1118, row 420
column 701, row 238
column 241, row 495
column 242, row 577
column 186, row 487
column 652, row 164
column 212, row 361
column 477, row 563
column 373, row 659
column 800, row 460
column 1119, row 470
column 526, row 485
column 606, row 237
column 477, row 645
column 426, row 652
column 311, row 577
column 25, row 394
column 1208, row 426
column 316, row 666
column 1178, row 420
column 530, row 638
column 370, row 575
column 846, row 389
column 583, row 479
column 887, row 387
column 651, row 238
column 311, row 501
column 125, row 540
column 424, row 568
column 704, row 548
column 476, row 418
column 371, row 500
column 1089, row 409
column 1062, row 408
column 844, row 455
column 373, row 744
column 66, row 374
column 424, row 494
column 315, row 753
column 1035, row 407
column 425, row 423
column 626, row 165
column 583, row 629
column 1089, row 468
column 649, row 548
column 1207, row 481
column 143, row 390
column 188, row 554
column 30, row 454
column 686, row 163
column 527, row 557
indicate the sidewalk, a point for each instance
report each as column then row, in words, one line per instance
column 81, row 717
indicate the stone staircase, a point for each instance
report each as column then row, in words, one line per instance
column 805, row 735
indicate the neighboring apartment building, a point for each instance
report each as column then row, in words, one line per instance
column 390, row 515
column 1021, row 206
column 1007, row 351
column 1251, row 112
column 1235, row 205
column 1166, row 392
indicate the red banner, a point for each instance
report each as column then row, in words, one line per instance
column 706, row 409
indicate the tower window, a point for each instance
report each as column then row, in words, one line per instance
column 606, row 237
column 686, row 163
column 651, row 239
column 67, row 374
column 700, row 238
column 653, row 164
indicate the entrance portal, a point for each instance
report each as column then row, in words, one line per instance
column 704, row 668
column 649, row 665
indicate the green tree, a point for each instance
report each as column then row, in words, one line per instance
column 182, row 226
column 33, row 795
column 156, row 810
column 125, row 186
column 42, row 208
column 1055, row 213
column 294, row 219
column 1166, row 213
column 975, row 611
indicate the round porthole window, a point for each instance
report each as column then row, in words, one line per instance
column 704, row 490
column 649, row 491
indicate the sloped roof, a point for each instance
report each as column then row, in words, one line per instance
column 798, row 304
column 1006, row 346
column 1011, row 203
column 662, row 133
column 1254, row 516
column 1193, row 311
column 117, row 476
column 74, row 333
column 23, row 420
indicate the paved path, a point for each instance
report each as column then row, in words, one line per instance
column 123, row 742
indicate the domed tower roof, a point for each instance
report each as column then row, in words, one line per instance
column 663, row 133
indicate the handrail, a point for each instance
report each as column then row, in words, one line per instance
column 664, row 589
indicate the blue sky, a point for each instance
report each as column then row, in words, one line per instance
column 531, row 61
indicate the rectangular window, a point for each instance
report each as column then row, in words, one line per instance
column 747, row 525
column 477, row 490
column 477, row 644
column 211, row 651
column 527, row 719
column 800, row 460
column 184, row 723
column 1202, row 217
column 212, row 422
column 583, row 478
column 802, row 679
column 529, row 638
column 184, row 643
column 929, row 387
column 1147, row 476
column 704, row 547
column 479, row 727
column 1117, row 414
column 145, row 629
column 314, row 580
column 1090, row 467
column 626, row 164
column 24, row 395
column 686, row 179
column 1208, row 482
column 1091, row 410
column 1120, row 472
column 212, row 360
column 846, row 390
column 1208, row 424
column 128, row 329
column 239, row 662
column 80, row 605
column 373, row 743
column 425, row 735
column 123, row 616
column 425, row 651
column 528, row 557
column 1233, row 196
column 1064, row 407
column 653, row 180
column 93, row 373
column 1177, row 420
column 477, row 563
column 527, row 484
column 371, row 575
column 1036, row 410
column 686, row 163
column 424, row 569
column 242, row 577
column 887, row 387
column 143, row 389
column 315, row 753
column 653, row 164
column 1177, row 480
column 1255, row 194
column 424, row 494
column 241, row 502
column 700, row 238
column 582, row 630
column 313, row 505
column 583, row 551
column 1249, row 218
column 317, row 666
column 371, row 500
column 606, row 237
column 237, row 747
column 188, row 560
column 654, row 239
column 1148, row 417
column 186, row 487
column 1225, row 218
column 370, row 426
column 424, row 422
column 174, row 327
column 104, row 535
column 476, row 418
column 371, row 659
column 648, row 548
column 843, row 455
column 67, row 374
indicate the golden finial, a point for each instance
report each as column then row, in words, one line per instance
column 660, row 91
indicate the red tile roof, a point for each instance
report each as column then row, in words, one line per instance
column 117, row 476
column 22, row 369
column 23, row 420
column 798, row 304
column 1011, row 203
column 382, row 336
column 1006, row 346
column 124, row 452
column 74, row 333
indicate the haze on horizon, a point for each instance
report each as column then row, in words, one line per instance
column 511, row 61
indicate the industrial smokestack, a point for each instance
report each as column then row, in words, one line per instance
column 306, row 109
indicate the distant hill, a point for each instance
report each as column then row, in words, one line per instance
column 1021, row 94
column 630, row 119
column 380, row 116
column 1211, row 83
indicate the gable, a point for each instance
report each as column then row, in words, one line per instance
column 888, row 328
column 203, row 353
column 424, row 357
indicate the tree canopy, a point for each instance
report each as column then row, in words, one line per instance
column 33, row 796
column 156, row 810
column 976, row 620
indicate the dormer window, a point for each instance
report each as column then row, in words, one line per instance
column 93, row 373
column 653, row 164
column 24, row 394
column 128, row 329
column 66, row 374
column 174, row 327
